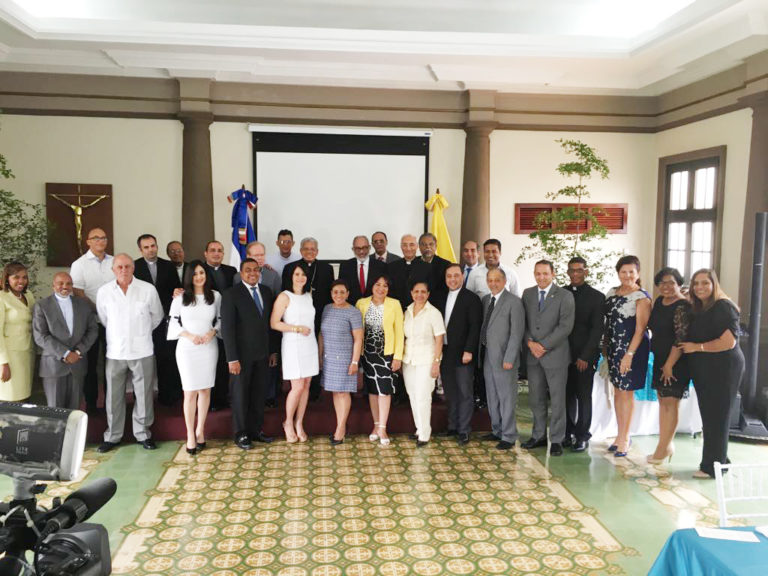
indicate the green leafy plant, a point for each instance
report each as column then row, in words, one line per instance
column 563, row 233
column 23, row 227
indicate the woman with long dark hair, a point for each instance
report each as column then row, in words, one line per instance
column 17, row 355
column 717, row 363
column 627, row 308
column 194, row 322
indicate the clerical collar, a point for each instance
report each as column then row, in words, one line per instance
column 58, row 297
column 455, row 291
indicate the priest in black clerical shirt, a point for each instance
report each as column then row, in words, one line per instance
column 406, row 270
column 437, row 266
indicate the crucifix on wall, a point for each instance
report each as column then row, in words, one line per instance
column 72, row 210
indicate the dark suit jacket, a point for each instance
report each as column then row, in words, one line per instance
column 463, row 328
column 245, row 332
column 229, row 277
column 588, row 326
column 320, row 274
column 52, row 335
column 167, row 279
column 390, row 258
column 437, row 276
column 349, row 272
column 402, row 274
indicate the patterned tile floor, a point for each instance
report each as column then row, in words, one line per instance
column 359, row 508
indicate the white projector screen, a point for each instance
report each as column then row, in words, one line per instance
column 336, row 196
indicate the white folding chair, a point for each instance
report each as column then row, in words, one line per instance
column 745, row 487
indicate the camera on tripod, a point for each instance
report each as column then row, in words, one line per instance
column 41, row 443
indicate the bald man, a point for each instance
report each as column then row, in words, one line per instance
column 130, row 310
column 361, row 272
column 65, row 327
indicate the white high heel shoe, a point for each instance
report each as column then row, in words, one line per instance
column 374, row 437
column 384, row 441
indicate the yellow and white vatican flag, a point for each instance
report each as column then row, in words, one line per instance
column 439, row 228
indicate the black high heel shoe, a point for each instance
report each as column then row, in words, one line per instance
column 200, row 446
column 191, row 451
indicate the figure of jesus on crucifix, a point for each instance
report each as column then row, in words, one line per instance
column 77, row 209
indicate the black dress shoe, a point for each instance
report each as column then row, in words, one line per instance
column 243, row 442
column 569, row 441
column 556, row 449
column 491, row 437
column 447, row 434
column 421, row 443
column 106, row 447
column 192, row 451
column 335, row 442
column 463, row 439
column 200, row 446
column 261, row 437
column 413, row 436
column 504, row 445
column 147, row 444
column 580, row 446
column 533, row 443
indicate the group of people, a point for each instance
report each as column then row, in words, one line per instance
column 219, row 336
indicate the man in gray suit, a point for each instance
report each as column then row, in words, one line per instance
column 65, row 327
column 501, row 335
column 550, row 313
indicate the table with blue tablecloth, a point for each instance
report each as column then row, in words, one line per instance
column 688, row 554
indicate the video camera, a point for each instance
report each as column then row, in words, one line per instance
column 41, row 443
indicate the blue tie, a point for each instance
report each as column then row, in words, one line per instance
column 541, row 299
column 257, row 300
column 467, row 272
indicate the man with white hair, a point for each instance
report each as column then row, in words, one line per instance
column 130, row 310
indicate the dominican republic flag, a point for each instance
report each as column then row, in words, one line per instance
column 242, row 229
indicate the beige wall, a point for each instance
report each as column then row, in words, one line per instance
column 733, row 130
column 523, row 170
column 141, row 159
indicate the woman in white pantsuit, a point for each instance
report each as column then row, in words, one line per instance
column 424, row 329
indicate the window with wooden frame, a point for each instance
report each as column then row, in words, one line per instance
column 690, row 210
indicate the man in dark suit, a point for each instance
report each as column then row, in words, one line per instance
column 500, row 336
column 222, row 277
column 437, row 265
column 361, row 272
column 245, row 312
column 406, row 270
column 380, row 243
column 320, row 277
column 65, row 327
column 162, row 275
column 463, row 315
column 584, row 341
column 549, row 313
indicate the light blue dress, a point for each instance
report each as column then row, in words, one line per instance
column 338, row 344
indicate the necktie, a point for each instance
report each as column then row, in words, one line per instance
column 484, row 332
column 467, row 272
column 153, row 271
column 381, row 259
column 541, row 299
column 257, row 300
column 362, row 279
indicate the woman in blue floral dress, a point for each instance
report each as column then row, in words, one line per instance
column 627, row 309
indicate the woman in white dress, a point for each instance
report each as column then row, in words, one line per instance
column 294, row 315
column 194, row 322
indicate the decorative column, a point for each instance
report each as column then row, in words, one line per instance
column 196, row 181
column 196, row 184
column 756, row 201
column 476, row 197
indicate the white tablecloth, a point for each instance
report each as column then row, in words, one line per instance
column 646, row 418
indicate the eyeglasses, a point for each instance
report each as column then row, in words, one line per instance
column 100, row 238
column 366, row 248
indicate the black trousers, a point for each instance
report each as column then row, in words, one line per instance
column 220, row 392
column 91, row 386
column 249, row 389
column 458, row 383
column 578, row 403
column 716, row 378
column 168, row 380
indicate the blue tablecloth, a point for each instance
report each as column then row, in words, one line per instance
column 688, row 554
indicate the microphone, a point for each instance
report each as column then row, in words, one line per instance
column 80, row 505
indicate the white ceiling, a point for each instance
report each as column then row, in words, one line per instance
column 638, row 47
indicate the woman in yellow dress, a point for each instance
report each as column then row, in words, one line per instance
column 17, row 355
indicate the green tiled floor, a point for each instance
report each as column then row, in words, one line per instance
column 359, row 508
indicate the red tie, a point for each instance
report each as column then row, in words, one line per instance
column 362, row 280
